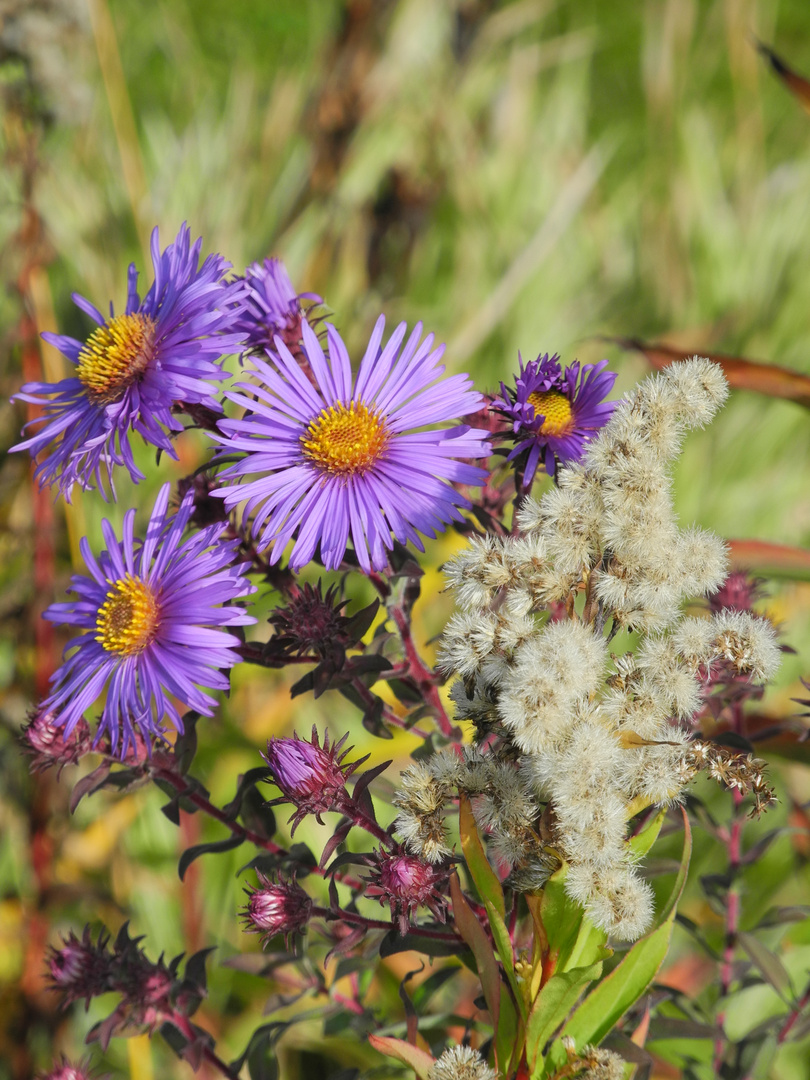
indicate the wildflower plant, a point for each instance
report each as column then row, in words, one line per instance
column 595, row 650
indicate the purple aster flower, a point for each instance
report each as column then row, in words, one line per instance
column 149, row 611
column 271, row 307
column 135, row 366
column 342, row 457
column 552, row 415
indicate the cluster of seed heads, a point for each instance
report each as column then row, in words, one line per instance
column 577, row 724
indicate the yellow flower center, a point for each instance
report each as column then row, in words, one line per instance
column 556, row 408
column 345, row 439
column 128, row 619
column 115, row 356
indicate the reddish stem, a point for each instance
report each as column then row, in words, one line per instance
column 733, row 841
column 180, row 786
column 794, row 1015
column 424, row 678
column 184, row 1025
column 357, row 919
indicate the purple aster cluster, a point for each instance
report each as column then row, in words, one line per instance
column 131, row 371
column 553, row 413
column 271, row 308
column 351, row 456
column 150, row 613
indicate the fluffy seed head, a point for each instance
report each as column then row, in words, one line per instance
column 461, row 1063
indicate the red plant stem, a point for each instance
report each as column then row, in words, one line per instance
column 380, row 924
column 424, row 678
column 793, row 1016
column 180, row 786
column 388, row 713
column 184, row 1025
column 733, row 841
column 358, row 817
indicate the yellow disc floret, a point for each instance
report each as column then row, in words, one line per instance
column 128, row 619
column 115, row 356
column 345, row 439
column 556, row 408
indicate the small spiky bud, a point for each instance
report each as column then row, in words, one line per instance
column 312, row 622
column 739, row 592
column 81, row 968
column 64, row 1070
column 205, row 509
column 310, row 776
column 276, row 907
column 44, row 739
column 406, row 883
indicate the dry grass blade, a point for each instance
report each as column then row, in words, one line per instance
column 742, row 374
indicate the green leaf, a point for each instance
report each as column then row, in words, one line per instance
column 768, row 965
column 572, row 940
column 643, row 841
column 496, row 995
column 474, row 934
column 490, row 890
column 614, row 995
column 418, row 1060
column 552, row 1005
column 485, row 879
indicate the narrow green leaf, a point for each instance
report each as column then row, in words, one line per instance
column 668, row 911
column 768, row 965
column 485, row 878
column 552, row 1005
column 614, row 995
column 571, row 939
column 474, row 934
column 642, row 843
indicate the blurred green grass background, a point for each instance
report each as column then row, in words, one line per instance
column 522, row 176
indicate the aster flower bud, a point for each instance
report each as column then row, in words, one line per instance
column 739, row 592
column 205, row 509
column 63, row 1070
column 80, row 968
column 311, row 776
column 45, row 740
column 461, row 1063
column 406, row 883
column 276, row 907
column 311, row 622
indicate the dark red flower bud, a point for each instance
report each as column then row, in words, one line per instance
column 81, row 969
column 311, row 623
column 406, row 883
column 276, row 907
column 739, row 592
column 45, row 740
column 207, row 510
column 65, row 1071
column 310, row 776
